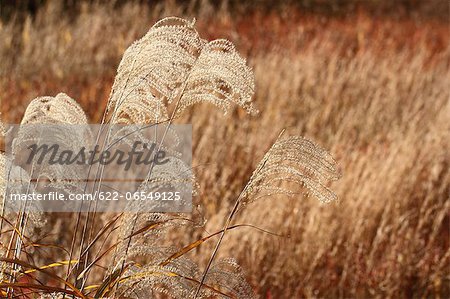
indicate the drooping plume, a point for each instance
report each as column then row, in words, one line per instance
column 171, row 64
column 290, row 162
column 221, row 78
column 61, row 109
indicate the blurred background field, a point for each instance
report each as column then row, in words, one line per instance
column 368, row 80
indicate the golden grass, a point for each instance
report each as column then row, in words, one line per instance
column 373, row 91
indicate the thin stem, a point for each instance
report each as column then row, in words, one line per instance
column 229, row 219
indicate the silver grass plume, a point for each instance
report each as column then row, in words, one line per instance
column 13, row 178
column 227, row 276
column 43, row 110
column 152, row 278
column 180, row 278
column 37, row 128
column 153, row 70
column 173, row 175
column 172, row 64
column 61, row 109
column 151, row 281
column 293, row 161
column 144, row 244
column 220, row 77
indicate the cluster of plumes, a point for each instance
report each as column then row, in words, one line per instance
column 37, row 121
column 161, row 273
column 293, row 162
column 160, row 75
column 171, row 64
column 153, row 70
column 170, row 69
column 40, row 112
column 180, row 279
column 36, row 125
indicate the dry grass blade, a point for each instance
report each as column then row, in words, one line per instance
column 52, row 265
column 197, row 243
column 88, row 267
column 104, row 229
column 154, row 225
column 13, row 228
column 57, row 278
column 109, row 282
column 39, row 245
column 24, row 286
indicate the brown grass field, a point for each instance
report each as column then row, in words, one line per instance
column 372, row 89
